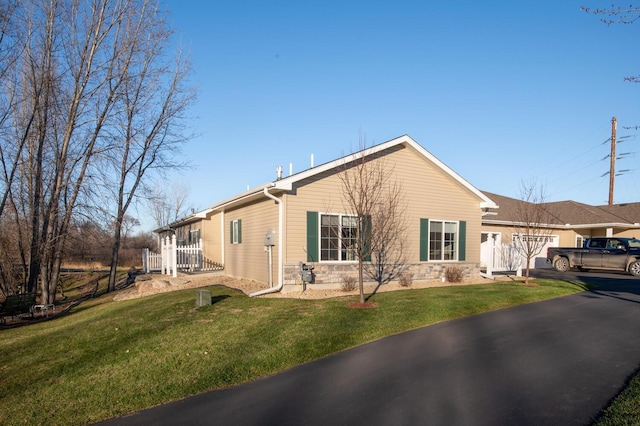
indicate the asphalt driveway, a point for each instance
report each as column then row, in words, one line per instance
column 546, row 363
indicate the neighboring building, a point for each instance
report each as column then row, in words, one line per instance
column 264, row 234
column 570, row 224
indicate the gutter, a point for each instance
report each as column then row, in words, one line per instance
column 280, row 246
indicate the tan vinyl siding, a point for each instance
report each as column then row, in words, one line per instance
column 629, row 233
column 249, row 259
column 212, row 238
column 321, row 195
column 433, row 194
column 429, row 193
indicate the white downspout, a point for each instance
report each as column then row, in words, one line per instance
column 280, row 247
column 222, row 238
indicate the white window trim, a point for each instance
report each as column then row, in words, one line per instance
column 235, row 232
column 443, row 221
column 193, row 240
column 329, row 262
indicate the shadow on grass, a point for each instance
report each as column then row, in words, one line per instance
column 220, row 298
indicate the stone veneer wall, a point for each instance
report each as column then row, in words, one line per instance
column 328, row 276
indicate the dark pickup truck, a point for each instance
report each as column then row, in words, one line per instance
column 616, row 254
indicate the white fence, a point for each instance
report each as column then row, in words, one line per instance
column 500, row 257
column 173, row 257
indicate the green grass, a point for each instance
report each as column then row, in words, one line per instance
column 625, row 409
column 105, row 358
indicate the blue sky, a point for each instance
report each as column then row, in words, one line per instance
column 500, row 91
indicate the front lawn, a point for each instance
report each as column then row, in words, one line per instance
column 105, row 358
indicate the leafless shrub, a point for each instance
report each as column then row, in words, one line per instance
column 349, row 283
column 405, row 279
column 454, row 274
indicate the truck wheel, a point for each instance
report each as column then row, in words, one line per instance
column 561, row 264
column 634, row 268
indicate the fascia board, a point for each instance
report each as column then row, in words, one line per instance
column 486, row 201
column 245, row 196
column 605, row 225
column 287, row 183
column 184, row 221
column 561, row 226
column 203, row 213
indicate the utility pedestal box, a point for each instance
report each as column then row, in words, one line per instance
column 203, row 298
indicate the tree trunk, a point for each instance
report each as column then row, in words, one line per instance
column 115, row 251
column 361, row 279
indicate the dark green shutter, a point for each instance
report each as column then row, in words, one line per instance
column 312, row 236
column 231, row 232
column 424, row 240
column 462, row 244
column 239, row 231
column 366, row 229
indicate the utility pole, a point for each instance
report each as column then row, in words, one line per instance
column 612, row 169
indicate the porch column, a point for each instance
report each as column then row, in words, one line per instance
column 492, row 253
column 145, row 260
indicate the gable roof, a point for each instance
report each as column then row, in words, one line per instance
column 569, row 213
column 287, row 183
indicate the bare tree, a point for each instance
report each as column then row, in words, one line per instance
column 531, row 230
column 152, row 105
column 78, row 91
column 372, row 196
column 387, row 242
column 168, row 204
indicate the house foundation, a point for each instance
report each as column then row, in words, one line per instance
column 330, row 276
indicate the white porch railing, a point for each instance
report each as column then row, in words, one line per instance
column 173, row 257
column 500, row 257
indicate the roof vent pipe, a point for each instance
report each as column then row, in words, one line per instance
column 278, row 172
column 290, row 169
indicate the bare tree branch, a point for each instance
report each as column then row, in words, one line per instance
column 532, row 230
column 83, row 82
column 371, row 194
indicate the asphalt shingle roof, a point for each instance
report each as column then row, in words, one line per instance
column 570, row 212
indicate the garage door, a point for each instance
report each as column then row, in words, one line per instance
column 539, row 260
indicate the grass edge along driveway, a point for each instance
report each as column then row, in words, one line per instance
column 106, row 359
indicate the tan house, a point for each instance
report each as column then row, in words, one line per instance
column 570, row 223
column 268, row 233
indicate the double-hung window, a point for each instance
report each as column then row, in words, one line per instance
column 235, row 231
column 194, row 237
column 442, row 240
column 338, row 237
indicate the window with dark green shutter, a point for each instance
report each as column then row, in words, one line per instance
column 335, row 237
column 235, row 231
column 442, row 240
column 366, row 236
column 312, row 236
column 462, row 244
column 424, row 240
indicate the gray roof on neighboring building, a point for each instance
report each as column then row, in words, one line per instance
column 569, row 212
